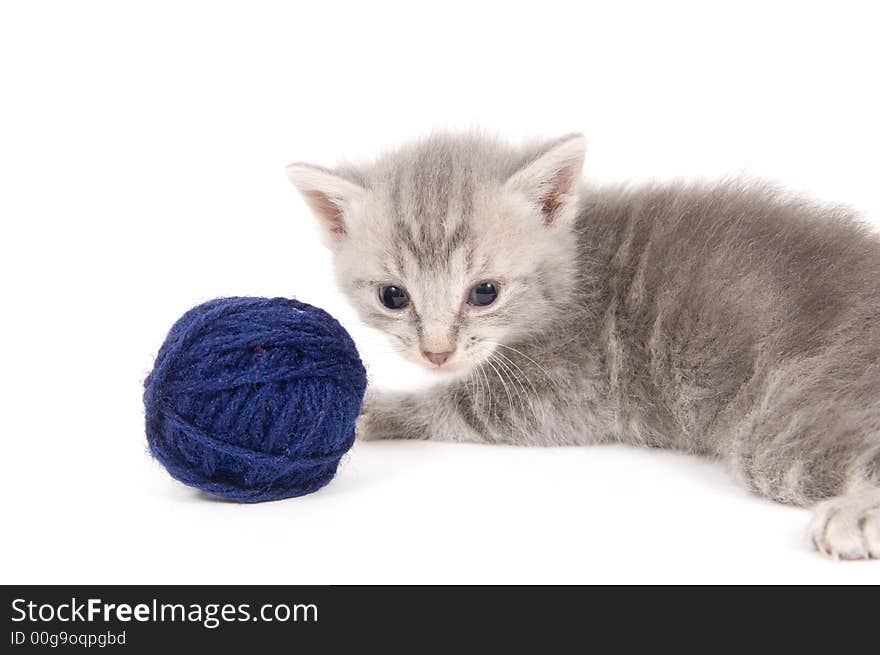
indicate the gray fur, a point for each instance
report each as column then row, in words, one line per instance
column 732, row 321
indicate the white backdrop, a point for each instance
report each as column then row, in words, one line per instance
column 142, row 155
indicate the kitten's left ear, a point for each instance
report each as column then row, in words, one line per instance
column 550, row 178
column 329, row 195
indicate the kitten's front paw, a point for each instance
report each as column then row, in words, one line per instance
column 377, row 420
column 848, row 527
column 366, row 427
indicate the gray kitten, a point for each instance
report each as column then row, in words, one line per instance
column 732, row 321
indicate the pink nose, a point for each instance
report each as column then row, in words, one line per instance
column 437, row 358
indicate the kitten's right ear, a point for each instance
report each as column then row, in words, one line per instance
column 329, row 195
column 549, row 178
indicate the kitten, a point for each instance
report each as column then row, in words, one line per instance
column 730, row 321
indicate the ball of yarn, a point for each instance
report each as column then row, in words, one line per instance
column 254, row 399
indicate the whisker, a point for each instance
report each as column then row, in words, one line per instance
column 488, row 388
column 483, row 391
column 504, row 384
column 513, row 378
column 524, row 375
column 516, row 366
column 522, row 354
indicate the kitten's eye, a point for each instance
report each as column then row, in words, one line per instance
column 483, row 294
column 393, row 297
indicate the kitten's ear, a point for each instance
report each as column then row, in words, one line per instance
column 329, row 195
column 550, row 178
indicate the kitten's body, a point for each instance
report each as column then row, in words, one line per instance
column 728, row 321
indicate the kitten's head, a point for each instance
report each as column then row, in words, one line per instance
column 453, row 245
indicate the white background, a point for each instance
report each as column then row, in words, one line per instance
column 142, row 154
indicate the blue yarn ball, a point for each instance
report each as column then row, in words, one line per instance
column 254, row 399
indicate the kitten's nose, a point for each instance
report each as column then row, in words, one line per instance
column 437, row 358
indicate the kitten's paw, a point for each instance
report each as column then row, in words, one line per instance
column 377, row 420
column 366, row 428
column 848, row 527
